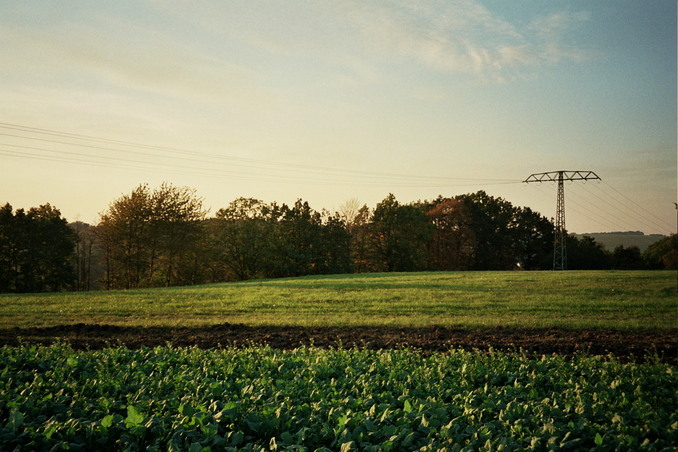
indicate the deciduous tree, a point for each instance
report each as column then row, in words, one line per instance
column 296, row 240
column 586, row 254
column 400, row 234
column 453, row 239
column 506, row 236
column 36, row 250
column 88, row 259
column 663, row 253
column 243, row 233
column 150, row 237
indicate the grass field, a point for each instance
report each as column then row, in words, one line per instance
column 573, row 299
column 256, row 398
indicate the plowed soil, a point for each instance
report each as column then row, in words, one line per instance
column 634, row 345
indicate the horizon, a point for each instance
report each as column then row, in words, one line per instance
column 209, row 215
column 331, row 101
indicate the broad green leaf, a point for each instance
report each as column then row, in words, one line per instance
column 546, row 401
column 237, row 439
column 50, row 431
column 347, row 446
column 286, row 438
column 16, row 420
column 107, row 421
column 186, row 410
column 134, row 416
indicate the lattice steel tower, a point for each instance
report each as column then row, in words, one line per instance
column 559, row 242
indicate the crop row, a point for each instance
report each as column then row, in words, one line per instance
column 258, row 398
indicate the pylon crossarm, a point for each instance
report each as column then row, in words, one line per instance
column 555, row 176
column 560, row 233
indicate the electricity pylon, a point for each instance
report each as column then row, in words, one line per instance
column 559, row 247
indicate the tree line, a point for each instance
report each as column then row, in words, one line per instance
column 164, row 237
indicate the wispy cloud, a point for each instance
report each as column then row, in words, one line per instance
column 457, row 36
column 340, row 43
column 552, row 31
column 144, row 62
column 464, row 37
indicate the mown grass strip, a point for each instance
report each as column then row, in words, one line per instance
column 573, row 299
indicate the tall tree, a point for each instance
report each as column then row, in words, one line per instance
column 663, row 253
column 55, row 244
column 586, row 254
column 349, row 211
column 333, row 254
column 130, row 252
column 359, row 229
column 296, row 240
column 532, row 236
column 87, row 257
column 453, row 240
column 400, row 234
column 36, row 250
column 491, row 218
column 9, row 249
column 176, row 229
column 243, row 234
column 149, row 237
column 506, row 236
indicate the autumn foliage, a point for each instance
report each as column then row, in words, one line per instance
column 164, row 237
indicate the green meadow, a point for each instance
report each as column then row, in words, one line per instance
column 572, row 299
column 257, row 398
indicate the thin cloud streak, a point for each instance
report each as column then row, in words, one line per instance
column 439, row 87
column 175, row 71
column 458, row 37
column 464, row 37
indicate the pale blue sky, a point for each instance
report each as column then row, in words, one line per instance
column 332, row 100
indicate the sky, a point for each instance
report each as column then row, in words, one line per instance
column 331, row 101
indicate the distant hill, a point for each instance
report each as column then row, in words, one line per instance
column 611, row 240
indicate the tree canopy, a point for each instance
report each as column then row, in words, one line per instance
column 35, row 250
column 163, row 237
column 150, row 238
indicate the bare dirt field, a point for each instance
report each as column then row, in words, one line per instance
column 632, row 345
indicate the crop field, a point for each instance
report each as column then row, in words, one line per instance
column 422, row 361
column 259, row 398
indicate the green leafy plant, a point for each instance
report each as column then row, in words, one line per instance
column 259, row 398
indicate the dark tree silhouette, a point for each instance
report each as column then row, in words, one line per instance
column 36, row 250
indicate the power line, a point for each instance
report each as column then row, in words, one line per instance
column 584, row 207
column 640, row 206
column 559, row 245
column 603, row 208
column 594, row 211
column 608, row 207
column 195, row 156
column 611, row 203
column 95, row 151
column 213, row 172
